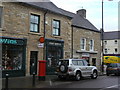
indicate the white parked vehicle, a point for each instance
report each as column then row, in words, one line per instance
column 76, row 67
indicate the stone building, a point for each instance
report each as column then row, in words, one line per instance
column 86, row 39
column 22, row 26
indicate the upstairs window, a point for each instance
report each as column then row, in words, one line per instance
column 106, row 50
column 1, row 17
column 34, row 23
column 115, row 41
column 91, row 45
column 56, row 27
column 83, row 44
column 105, row 42
column 116, row 50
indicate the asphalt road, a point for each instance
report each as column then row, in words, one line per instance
column 101, row 83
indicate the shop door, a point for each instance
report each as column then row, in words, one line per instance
column 54, row 54
column 33, row 62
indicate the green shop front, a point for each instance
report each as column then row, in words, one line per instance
column 13, row 56
column 54, row 52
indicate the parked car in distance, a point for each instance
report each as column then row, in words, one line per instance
column 77, row 68
column 113, row 68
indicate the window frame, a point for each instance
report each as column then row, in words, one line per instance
column 116, row 42
column 106, row 51
column 91, row 47
column 83, row 44
column 116, row 50
column 56, row 29
column 35, row 23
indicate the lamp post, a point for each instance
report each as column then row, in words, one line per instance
column 102, row 31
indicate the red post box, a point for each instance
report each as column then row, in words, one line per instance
column 42, row 70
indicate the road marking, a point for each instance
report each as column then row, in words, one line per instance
column 113, row 86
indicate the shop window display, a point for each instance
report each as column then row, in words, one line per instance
column 12, row 57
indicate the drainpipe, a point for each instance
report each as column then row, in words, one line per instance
column 72, row 42
column 44, row 35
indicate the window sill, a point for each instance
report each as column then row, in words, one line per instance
column 91, row 52
column 33, row 33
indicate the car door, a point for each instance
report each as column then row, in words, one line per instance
column 82, row 67
column 88, row 69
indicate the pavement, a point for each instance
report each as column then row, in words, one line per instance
column 27, row 82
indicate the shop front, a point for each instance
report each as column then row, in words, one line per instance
column 13, row 56
column 54, row 52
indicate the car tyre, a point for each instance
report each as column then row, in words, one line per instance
column 63, row 68
column 94, row 75
column 107, row 74
column 78, row 76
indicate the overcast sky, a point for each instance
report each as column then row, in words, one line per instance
column 94, row 11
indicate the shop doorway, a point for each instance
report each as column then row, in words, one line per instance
column 94, row 61
column 33, row 62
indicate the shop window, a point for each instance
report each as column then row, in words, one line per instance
column 34, row 23
column 12, row 56
column 56, row 27
column 1, row 17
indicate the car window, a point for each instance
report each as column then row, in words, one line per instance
column 66, row 62
column 85, row 62
column 74, row 62
column 112, row 65
column 78, row 62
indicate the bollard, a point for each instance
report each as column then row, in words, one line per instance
column 6, row 82
column 33, row 82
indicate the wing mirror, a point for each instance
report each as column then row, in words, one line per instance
column 88, row 64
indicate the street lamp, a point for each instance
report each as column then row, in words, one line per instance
column 102, row 36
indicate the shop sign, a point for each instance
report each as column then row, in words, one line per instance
column 54, row 43
column 8, row 41
column 11, row 41
column 41, row 45
column 85, row 55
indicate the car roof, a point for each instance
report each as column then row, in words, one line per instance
column 71, row 59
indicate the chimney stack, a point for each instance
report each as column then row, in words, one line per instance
column 82, row 12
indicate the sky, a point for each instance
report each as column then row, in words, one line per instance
column 94, row 11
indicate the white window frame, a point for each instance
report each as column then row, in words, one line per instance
column 56, row 27
column 83, row 44
column 91, row 47
column 105, row 50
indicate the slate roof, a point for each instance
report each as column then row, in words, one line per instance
column 49, row 6
column 111, row 35
column 82, row 22
column 77, row 20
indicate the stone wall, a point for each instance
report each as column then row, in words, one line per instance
column 17, row 23
column 78, row 34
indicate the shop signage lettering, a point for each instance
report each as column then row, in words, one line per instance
column 8, row 41
column 53, row 43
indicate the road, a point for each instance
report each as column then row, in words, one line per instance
column 101, row 83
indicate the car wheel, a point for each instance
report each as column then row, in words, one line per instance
column 107, row 74
column 78, row 76
column 94, row 75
